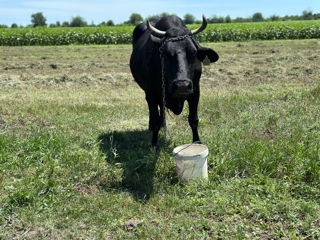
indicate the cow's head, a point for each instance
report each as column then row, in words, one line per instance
column 182, row 57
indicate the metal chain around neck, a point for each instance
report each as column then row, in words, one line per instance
column 162, row 58
column 163, row 100
column 171, row 39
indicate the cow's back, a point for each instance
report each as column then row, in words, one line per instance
column 143, row 61
column 138, row 31
column 141, row 29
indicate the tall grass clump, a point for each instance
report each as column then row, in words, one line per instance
column 46, row 164
column 257, row 135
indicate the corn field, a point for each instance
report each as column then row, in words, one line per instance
column 260, row 31
column 123, row 34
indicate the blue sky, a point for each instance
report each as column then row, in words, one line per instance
column 18, row 11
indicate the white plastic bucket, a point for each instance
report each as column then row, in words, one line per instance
column 191, row 161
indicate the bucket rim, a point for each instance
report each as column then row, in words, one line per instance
column 179, row 153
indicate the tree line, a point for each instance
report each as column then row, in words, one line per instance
column 38, row 19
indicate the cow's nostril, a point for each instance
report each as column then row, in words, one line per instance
column 183, row 86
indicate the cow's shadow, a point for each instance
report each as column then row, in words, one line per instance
column 131, row 151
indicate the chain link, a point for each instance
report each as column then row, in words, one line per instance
column 163, row 100
column 172, row 39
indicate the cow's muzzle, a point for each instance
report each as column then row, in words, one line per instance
column 182, row 87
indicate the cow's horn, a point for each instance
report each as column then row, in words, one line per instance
column 203, row 26
column 154, row 31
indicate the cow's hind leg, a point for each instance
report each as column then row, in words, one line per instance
column 193, row 115
column 154, row 120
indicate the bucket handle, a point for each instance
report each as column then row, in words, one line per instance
column 189, row 145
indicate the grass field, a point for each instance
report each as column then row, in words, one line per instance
column 76, row 162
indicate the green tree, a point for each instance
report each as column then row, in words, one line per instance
column 78, row 22
column 274, row 18
column 241, row 20
column 307, row 15
column 3, row 26
column 135, row 19
column 14, row 25
column 216, row 19
column 58, row 24
column 257, row 17
column 37, row 19
column 110, row 23
column 228, row 19
column 189, row 19
column 65, row 24
column 165, row 14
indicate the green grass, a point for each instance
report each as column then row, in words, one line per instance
column 76, row 162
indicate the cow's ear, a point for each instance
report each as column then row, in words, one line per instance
column 203, row 52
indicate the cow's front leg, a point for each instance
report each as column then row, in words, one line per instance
column 154, row 120
column 193, row 115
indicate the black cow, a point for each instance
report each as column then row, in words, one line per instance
column 165, row 46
